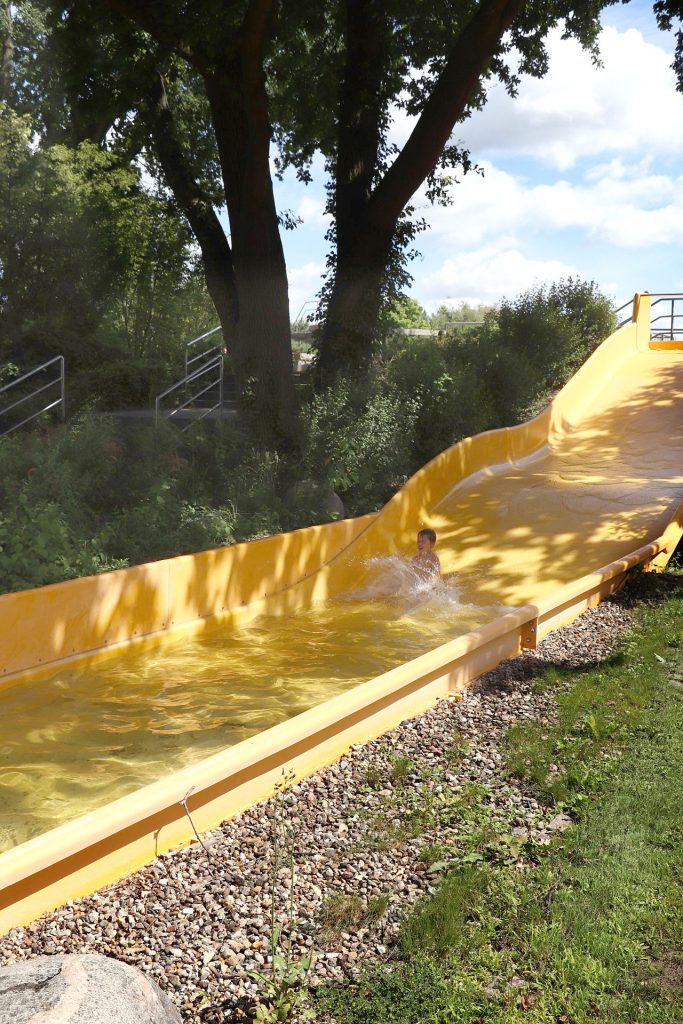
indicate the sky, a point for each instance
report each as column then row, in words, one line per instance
column 582, row 175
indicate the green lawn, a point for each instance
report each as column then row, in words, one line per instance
column 591, row 927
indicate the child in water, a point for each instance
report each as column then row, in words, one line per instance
column 426, row 562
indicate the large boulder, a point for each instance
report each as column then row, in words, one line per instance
column 81, row 989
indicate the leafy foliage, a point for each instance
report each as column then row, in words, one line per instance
column 407, row 312
column 93, row 267
column 540, row 339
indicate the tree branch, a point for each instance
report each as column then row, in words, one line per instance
column 154, row 24
column 466, row 61
column 360, row 106
column 207, row 229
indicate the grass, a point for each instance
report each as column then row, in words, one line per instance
column 590, row 928
column 459, row 750
column 342, row 912
column 401, row 769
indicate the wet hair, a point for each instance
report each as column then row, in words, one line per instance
column 429, row 534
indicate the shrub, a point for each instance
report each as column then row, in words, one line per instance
column 441, row 376
column 37, row 546
column 537, row 341
column 360, row 439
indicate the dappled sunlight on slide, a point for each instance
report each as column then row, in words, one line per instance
column 518, row 513
column 605, row 487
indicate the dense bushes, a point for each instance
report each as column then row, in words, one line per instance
column 358, row 438
column 536, row 342
column 96, row 495
column 476, row 378
column 91, row 499
column 93, row 267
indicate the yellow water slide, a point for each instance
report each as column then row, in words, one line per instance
column 521, row 511
column 535, row 523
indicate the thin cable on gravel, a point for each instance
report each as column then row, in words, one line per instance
column 198, row 925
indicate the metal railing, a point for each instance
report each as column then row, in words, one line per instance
column 214, row 369
column 306, row 312
column 448, row 325
column 58, row 381
column 193, row 360
column 668, row 324
column 621, row 321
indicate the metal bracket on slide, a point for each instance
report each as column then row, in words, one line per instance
column 528, row 635
column 657, row 562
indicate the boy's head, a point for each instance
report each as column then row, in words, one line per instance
column 426, row 539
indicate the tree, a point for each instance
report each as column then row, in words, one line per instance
column 227, row 46
column 92, row 266
column 446, row 316
column 225, row 79
column 187, row 88
column 533, row 344
column 667, row 12
column 407, row 312
column 433, row 62
column 63, row 246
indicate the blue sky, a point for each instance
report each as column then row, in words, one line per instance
column 583, row 174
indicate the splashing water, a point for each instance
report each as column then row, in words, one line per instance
column 396, row 580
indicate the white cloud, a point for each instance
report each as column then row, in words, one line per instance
column 304, row 283
column 619, row 205
column 484, row 275
column 627, row 105
column 312, row 211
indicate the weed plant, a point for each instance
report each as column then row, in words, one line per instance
column 283, row 987
column 342, row 912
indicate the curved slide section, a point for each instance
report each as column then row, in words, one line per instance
column 522, row 511
column 546, row 519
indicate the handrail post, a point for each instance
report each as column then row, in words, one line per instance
column 213, row 366
column 62, row 388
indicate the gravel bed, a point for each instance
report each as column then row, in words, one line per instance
column 197, row 923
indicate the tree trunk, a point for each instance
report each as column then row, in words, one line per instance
column 353, row 305
column 353, row 308
column 219, row 272
column 6, row 49
column 366, row 225
column 262, row 344
column 235, row 82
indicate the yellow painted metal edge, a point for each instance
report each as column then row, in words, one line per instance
column 103, row 846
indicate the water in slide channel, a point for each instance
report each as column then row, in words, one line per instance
column 89, row 735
